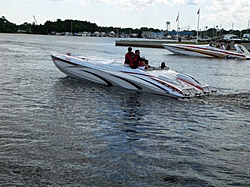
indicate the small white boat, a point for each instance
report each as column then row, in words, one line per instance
column 240, row 51
column 164, row 82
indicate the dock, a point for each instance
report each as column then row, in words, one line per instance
column 149, row 43
column 138, row 43
column 158, row 43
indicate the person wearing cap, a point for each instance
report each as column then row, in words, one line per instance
column 128, row 57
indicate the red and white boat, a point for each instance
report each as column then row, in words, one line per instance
column 157, row 81
column 239, row 52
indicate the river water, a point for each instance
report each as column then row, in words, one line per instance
column 57, row 131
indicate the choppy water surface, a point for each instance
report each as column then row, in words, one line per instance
column 57, row 131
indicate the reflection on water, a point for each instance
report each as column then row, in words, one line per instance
column 57, row 131
column 131, row 106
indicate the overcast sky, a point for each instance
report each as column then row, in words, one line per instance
column 225, row 14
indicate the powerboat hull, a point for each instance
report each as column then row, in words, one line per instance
column 240, row 51
column 160, row 82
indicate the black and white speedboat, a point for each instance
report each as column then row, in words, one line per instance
column 158, row 81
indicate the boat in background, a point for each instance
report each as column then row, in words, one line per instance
column 164, row 82
column 239, row 52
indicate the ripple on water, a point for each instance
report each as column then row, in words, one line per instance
column 57, row 131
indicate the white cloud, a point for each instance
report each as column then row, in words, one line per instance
column 213, row 12
column 64, row 0
column 227, row 11
column 180, row 2
column 122, row 4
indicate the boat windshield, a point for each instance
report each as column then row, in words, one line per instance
column 241, row 49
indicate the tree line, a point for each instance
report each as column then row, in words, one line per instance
column 60, row 26
column 76, row 26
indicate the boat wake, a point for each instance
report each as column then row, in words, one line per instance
column 233, row 100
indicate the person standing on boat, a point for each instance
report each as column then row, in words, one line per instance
column 223, row 46
column 228, row 46
column 128, row 57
